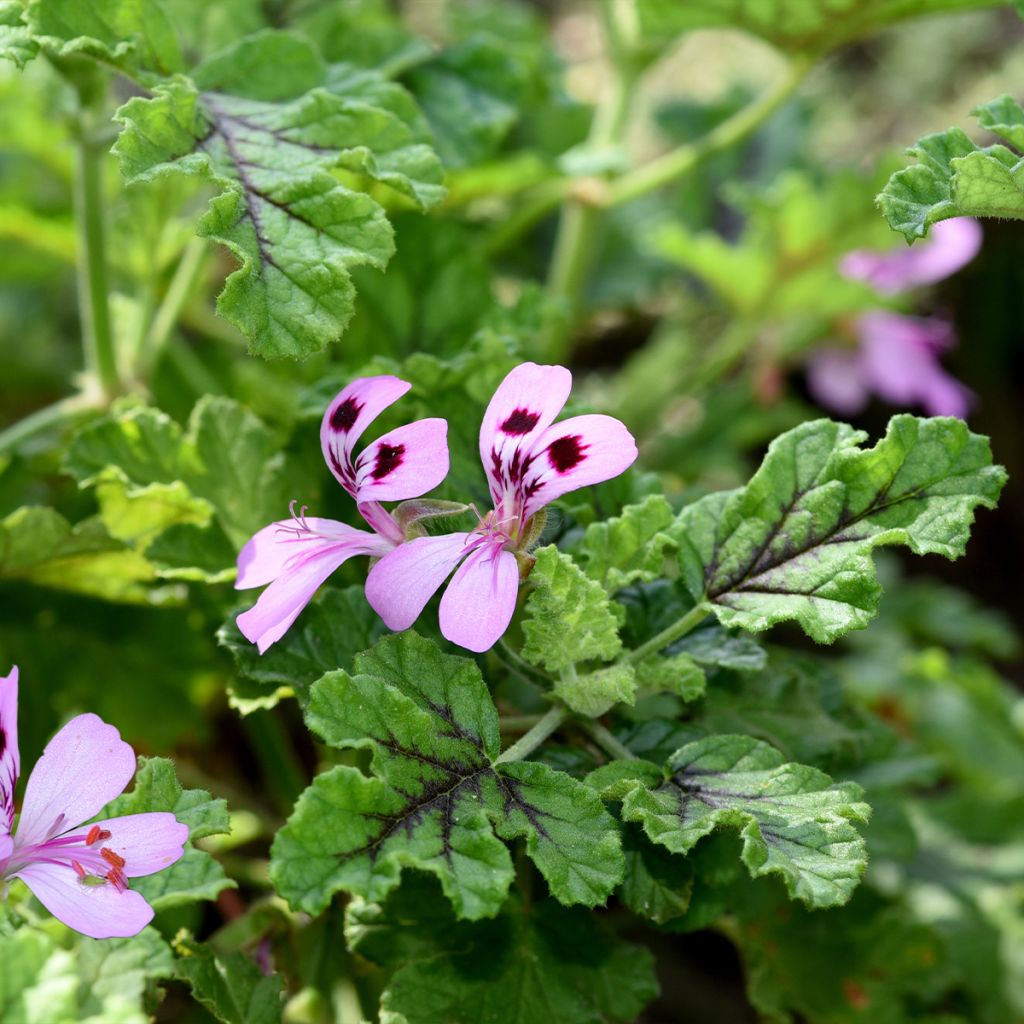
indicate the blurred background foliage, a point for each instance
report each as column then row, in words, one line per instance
column 693, row 324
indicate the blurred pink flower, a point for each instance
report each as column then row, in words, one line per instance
column 295, row 556
column 80, row 873
column 530, row 461
column 897, row 356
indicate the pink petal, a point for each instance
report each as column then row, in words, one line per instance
column 951, row 245
column 524, row 406
column 99, row 911
column 835, row 378
column 404, row 463
column 6, row 846
column 943, row 395
column 279, row 605
column 83, row 768
column 481, row 598
column 266, row 555
column 10, row 763
column 354, row 408
column 148, row 842
column 402, row 582
column 576, row 452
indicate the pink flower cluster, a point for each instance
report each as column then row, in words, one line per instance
column 79, row 872
column 530, row 460
column 897, row 356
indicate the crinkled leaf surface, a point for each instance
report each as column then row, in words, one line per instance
column 801, row 26
column 437, row 799
column 40, row 546
column 793, row 820
column 569, row 617
column 539, row 962
column 953, row 177
column 197, row 876
column 328, row 636
column 796, row 542
column 272, row 142
column 16, row 42
column 230, row 985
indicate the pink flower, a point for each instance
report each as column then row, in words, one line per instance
column 295, row 556
column 897, row 356
column 80, row 872
column 530, row 461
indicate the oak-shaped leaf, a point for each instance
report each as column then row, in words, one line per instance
column 796, row 542
column 793, row 820
column 542, row 961
column 954, row 178
column 438, row 798
column 267, row 125
column 197, row 876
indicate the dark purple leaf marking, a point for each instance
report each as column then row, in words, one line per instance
column 566, row 453
column 520, row 422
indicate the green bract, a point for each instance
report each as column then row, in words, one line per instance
column 439, row 797
column 954, row 177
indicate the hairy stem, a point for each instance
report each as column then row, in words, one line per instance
column 694, row 617
column 527, row 744
column 608, row 743
column 93, row 286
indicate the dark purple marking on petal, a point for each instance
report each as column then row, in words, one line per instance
column 388, row 459
column 566, row 453
column 521, row 421
column 345, row 415
column 3, row 740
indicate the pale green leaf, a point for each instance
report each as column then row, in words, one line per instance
column 16, row 42
column 593, row 693
column 796, row 542
column 793, row 820
column 272, row 144
column 677, row 673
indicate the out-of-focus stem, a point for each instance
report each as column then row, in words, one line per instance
column 65, row 411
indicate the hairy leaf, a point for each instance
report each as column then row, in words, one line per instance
column 594, row 693
column 793, row 820
column 197, row 876
column 437, row 799
column 272, row 142
column 540, row 960
column 569, row 618
column 16, row 42
column 658, row 884
column 230, row 985
column 953, row 177
column 796, row 542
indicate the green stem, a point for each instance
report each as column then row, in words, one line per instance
column 518, row 723
column 189, row 271
column 580, row 224
column 93, row 286
column 691, row 619
column 527, row 744
column 733, row 130
column 608, row 743
column 65, row 411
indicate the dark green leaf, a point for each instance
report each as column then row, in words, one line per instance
column 230, row 985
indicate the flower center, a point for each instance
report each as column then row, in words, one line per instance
column 84, row 853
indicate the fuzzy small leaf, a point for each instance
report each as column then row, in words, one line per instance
column 796, row 542
column 678, row 673
column 272, row 144
column 437, row 799
column 954, row 178
column 630, row 547
column 569, row 617
column 230, row 985
column 197, row 876
column 16, row 42
column 793, row 820
column 594, row 693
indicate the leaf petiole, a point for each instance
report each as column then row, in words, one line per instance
column 694, row 617
column 528, row 743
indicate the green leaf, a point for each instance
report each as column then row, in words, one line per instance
column 437, row 799
column 594, row 693
column 328, row 636
column 810, row 26
column 677, row 673
column 99, row 982
column 133, row 35
column 793, row 820
column 546, row 962
column 953, row 177
column 16, row 42
column 630, row 547
column 197, row 876
column 658, row 884
column 795, row 543
column 230, row 985
column 40, row 546
column 569, row 618
column 274, row 144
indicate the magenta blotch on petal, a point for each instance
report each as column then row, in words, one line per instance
column 10, row 763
